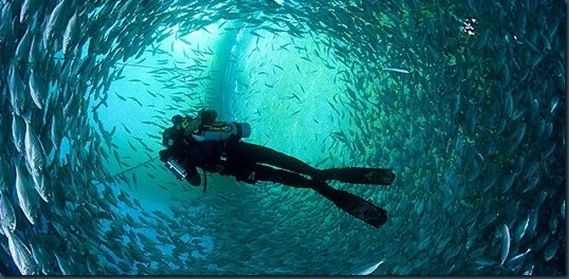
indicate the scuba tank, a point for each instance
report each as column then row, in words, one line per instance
column 219, row 131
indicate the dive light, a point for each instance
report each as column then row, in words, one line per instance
column 177, row 169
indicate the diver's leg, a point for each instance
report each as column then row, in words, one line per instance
column 352, row 204
column 267, row 173
column 261, row 154
column 348, row 202
column 358, row 175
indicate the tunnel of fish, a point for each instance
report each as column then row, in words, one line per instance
column 464, row 100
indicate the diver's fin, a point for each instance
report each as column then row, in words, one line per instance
column 353, row 205
column 358, row 175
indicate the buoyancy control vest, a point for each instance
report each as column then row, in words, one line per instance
column 220, row 131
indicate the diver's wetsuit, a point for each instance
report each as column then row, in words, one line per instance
column 251, row 163
column 234, row 157
column 247, row 161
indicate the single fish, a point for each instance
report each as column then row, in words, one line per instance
column 39, row 254
column 42, row 185
column 35, row 155
column 7, row 213
column 540, row 128
column 21, row 254
column 23, row 48
column 53, row 26
column 509, row 103
column 532, row 169
column 521, row 229
column 554, row 103
column 71, row 35
column 518, row 258
column 18, row 132
column 485, row 261
column 56, row 130
column 136, row 100
column 396, row 70
column 457, row 104
column 505, row 248
column 506, row 75
column 27, row 198
column 64, row 266
column 550, row 250
column 38, row 89
column 131, row 145
column 519, row 135
column 548, row 130
column 28, row 8
column 36, row 51
column 562, row 210
column 17, row 93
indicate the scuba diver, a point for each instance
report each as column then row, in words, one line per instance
column 216, row 147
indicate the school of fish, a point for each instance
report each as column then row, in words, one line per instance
column 464, row 100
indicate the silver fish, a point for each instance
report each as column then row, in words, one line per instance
column 508, row 182
column 554, row 103
column 43, row 256
column 37, row 51
column 509, row 104
column 17, row 94
column 42, row 185
column 532, row 169
column 396, row 70
column 64, row 266
column 533, row 220
column 548, row 130
column 7, row 213
column 529, row 271
column 520, row 230
column 519, row 135
column 38, row 89
column 550, row 250
column 368, row 270
column 485, row 261
column 518, row 258
column 127, row 8
column 27, row 197
column 21, row 254
column 53, row 26
column 541, row 240
column 28, row 8
column 18, row 132
column 505, row 248
column 35, row 156
column 23, row 48
column 562, row 210
column 71, row 35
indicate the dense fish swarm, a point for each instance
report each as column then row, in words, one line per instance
column 463, row 99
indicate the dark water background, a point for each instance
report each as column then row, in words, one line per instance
column 464, row 100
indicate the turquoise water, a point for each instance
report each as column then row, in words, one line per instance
column 464, row 101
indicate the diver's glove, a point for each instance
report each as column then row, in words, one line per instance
column 165, row 154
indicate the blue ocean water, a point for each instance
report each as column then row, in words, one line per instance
column 464, row 101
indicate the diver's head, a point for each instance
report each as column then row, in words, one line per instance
column 177, row 121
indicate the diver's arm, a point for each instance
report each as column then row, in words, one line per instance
column 165, row 154
column 169, row 138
